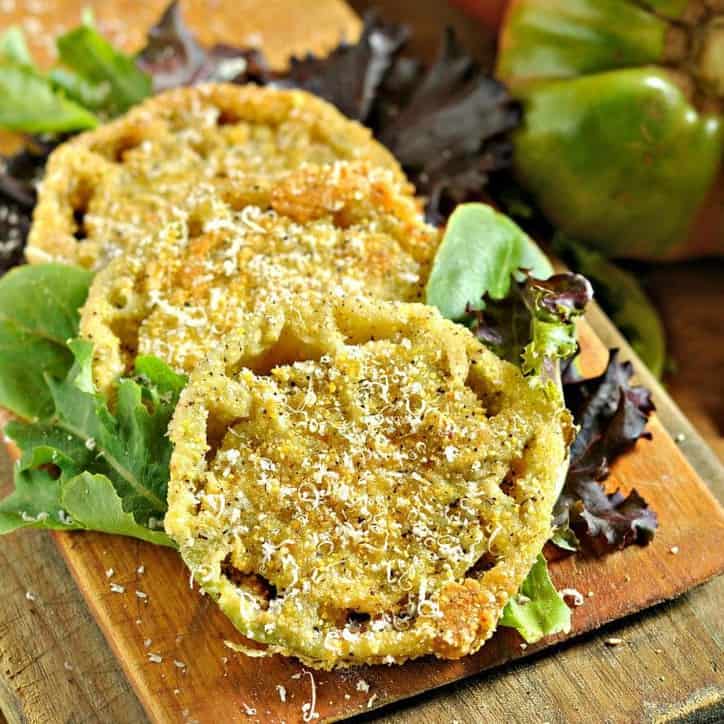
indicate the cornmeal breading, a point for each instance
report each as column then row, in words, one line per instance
column 369, row 485
column 105, row 189
column 322, row 230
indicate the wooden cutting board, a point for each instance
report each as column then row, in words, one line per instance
column 170, row 639
column 198, row 678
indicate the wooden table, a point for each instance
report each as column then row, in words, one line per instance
column 55, row 665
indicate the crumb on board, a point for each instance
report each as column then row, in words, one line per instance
column 282, row 691
column 30, row 595
column 117, row 588
column 575, row 596
column 613, row 641
column 362, row 685
column 154, row 658
column 248, row 710
column 309, row 709
column 674, row 550
column 109, row 573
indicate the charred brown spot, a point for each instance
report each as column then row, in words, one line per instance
column 79, row 202
column 123, row 145
column 253, row 582
column 358, row 620
column 483, row 564
column 227, row 117
column 80, row 232
column 509, row 484
column 126, row 331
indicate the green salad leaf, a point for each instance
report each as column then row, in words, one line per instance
column 31, row 104
column 35, row 503
column 90, row 96
column 553, row 305
column 13, row 48
column 94, row 503
column 92, row 78
column 86, row 52
column 490, row 274
column 38, row 315
column 480, row 252
column 83, row 464
column 83, row 502
column 127, row 446
column 538, row 610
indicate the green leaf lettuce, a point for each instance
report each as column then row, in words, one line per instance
column 30, row 104
column 38, row 315
column 538, row 610
column 86, row 52
column 480, row 251
column 93, row 78
column 83, row 464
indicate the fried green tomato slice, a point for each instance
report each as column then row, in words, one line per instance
column 105, row 189
column 322, row 231
column 369, row 485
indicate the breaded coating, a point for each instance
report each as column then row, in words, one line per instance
column 363, row 483
column 322, row 230
column 107, row 188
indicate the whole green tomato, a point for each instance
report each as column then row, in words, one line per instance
column 623, row 132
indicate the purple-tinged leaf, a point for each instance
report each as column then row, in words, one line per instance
column 173, row 57
column 447, row 126
column 19, row 175
column 612, row 415
column 350, row 76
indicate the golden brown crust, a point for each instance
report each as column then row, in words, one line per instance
column 363, row 483
column 322, row 230
column 107, row 188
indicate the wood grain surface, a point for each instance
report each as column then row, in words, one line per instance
column 690, row 297
column 55, row 666
column 170, row 640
